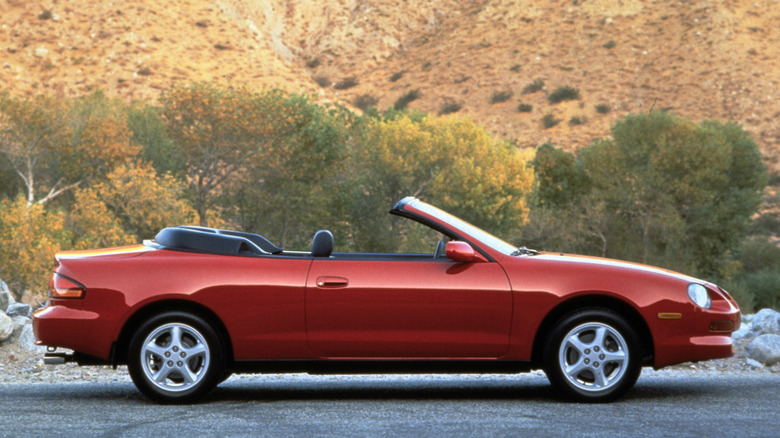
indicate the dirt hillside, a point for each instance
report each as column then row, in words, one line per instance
column 703, row 59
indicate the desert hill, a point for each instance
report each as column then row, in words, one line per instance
column 496, row 61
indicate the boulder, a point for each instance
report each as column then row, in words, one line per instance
column 6, row 326
column 742, row 333
column 5, row 296
column 19, row 309
column 27, row 340
column 19, row 323
column 765, row 349
column 766, row 321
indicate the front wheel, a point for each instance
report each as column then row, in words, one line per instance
column 592, row 356
column 176, row 357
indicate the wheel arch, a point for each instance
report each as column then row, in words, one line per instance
column 593, row 301
column 119, row 351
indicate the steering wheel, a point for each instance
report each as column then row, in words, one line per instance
column 439, row 250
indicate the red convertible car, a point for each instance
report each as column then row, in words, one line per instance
column 194, row 305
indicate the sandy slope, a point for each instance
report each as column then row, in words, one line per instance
column 704, row 59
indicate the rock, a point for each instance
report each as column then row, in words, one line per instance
column 6, row 326
column 19, row 323
column 742, row 333
column 19, row 309
column 753, row 364
column 5, row 296
column 766, row 321
column 27, row 340
column 765, row 349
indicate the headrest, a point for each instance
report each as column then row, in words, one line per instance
column 322, row 244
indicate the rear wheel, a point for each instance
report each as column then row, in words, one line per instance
column 176, row 357
column 592, row 356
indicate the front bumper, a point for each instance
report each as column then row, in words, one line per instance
column 696, row 336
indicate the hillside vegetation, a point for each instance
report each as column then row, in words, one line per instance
column 630, row 129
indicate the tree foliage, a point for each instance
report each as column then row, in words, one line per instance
column 32, row 133
column 133, row 203
column 663, row 191
column 450, row 162
column 149, row 132
column 29, row 237
column 286, row 189
column 217, row 130
column 55, row 147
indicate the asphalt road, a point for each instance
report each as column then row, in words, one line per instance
column 460, row 405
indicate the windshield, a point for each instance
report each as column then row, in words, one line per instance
column 458, row 224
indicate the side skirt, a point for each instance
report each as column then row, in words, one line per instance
column 329, row 366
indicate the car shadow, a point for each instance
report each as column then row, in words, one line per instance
column 310, row 388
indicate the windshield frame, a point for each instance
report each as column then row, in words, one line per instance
column 457, row 226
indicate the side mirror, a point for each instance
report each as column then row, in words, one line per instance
column 463, row 252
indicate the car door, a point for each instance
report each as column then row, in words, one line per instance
column 407, row 307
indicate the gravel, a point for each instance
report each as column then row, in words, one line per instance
column 18, row 365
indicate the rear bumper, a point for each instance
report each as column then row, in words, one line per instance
column 79, row 330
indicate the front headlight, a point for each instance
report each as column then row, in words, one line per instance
column 699, row 295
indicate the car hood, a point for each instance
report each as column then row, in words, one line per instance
column 613, row 264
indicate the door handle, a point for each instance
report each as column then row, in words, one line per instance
column 332, row 282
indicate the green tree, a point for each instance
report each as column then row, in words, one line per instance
column 288, row 187
column 31, row 132
column 56, row 146
column 664, row 191
column 447, row 161
column 217, row 130
column 149, row 131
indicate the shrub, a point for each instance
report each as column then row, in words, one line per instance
column 603, row 108
column 449, row 106
column 406, row 99
column 346, row 83
column 765, row 287
column 364, row 101
column 549, row 120
column 501, row 96
column 576, row 121
column 609, row 44
column 515, row 68
column 533, row 87
column 322, row 81
column 397, row 75
column 759, row 253
column 563, row 93
column 524, row 108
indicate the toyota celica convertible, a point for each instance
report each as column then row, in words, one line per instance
column 189, row 308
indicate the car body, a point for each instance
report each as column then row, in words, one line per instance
column 194, row 305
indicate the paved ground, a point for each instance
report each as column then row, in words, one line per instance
column 664, row 403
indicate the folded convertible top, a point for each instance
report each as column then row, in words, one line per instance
column 214, row 241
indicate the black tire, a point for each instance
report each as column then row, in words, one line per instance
column 592, row 355
column 176, row 357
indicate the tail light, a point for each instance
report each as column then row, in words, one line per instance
column 61, row 286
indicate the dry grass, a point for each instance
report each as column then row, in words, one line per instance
column 718, row 59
